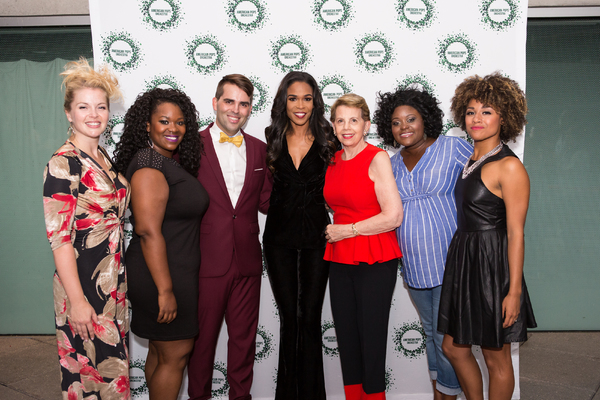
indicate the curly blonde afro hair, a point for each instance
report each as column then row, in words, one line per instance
column 499, row 92
column 80, row 74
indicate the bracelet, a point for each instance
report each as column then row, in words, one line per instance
column 354, row 230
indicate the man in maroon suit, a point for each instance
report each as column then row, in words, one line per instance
column 233, row 171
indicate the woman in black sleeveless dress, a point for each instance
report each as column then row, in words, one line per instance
column 300, row 145
column 163, row 258
column 484, row 298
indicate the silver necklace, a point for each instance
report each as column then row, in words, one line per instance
column 467, row 170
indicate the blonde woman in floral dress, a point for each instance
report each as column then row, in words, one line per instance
column 84, row 205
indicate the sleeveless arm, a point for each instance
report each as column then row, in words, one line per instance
column 514, row 184
column 149, row 196
column 390, row 217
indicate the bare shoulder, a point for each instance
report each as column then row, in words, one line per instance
column 380, row 166
column 381, row 159
column 511, row 166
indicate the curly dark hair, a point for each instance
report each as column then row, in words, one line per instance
column 422, row 101
column 135, row 135
column 499, row 92
column 319, row 126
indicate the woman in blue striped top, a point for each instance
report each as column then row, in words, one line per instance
column 426, row 169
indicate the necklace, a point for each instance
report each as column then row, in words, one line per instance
column 467, row 170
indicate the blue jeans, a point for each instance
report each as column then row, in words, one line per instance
column 427, row 302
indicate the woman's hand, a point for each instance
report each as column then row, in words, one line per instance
column 513, row 183
column 167, row 307
column 511, row 306
column 336, row 232
column 82, row 319
column 82, row 315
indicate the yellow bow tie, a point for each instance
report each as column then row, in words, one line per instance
column 237, row 140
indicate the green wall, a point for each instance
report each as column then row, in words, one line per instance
column 32, row 127
column 562, row 156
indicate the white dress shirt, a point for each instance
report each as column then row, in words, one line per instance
column 232, row 160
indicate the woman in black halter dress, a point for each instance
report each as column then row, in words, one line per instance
column 484, row 298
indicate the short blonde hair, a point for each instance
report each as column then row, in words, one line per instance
column 79, row 74
column 351, row 100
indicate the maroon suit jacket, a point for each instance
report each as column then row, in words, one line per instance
column 228, row 232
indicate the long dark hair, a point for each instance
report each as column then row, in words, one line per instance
column 318, row 124
column 135, row 136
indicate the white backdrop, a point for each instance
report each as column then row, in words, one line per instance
column 348, row 46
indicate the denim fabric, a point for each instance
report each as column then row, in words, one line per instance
column 427, row 302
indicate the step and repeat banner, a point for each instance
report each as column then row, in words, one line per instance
column 348, row 46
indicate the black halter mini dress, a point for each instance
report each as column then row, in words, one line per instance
column 476, row 278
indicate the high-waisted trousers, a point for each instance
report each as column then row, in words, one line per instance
column 298, row 279
column 361, row 298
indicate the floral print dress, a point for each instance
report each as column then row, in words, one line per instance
column 85, row 207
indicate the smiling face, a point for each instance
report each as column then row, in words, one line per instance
column 408, row 127
column 232, row 108
column 166, row 128
column 482, row 121
column 349, row 127
column 88, row 113
column 299, row 104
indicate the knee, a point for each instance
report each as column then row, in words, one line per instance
column 499, row 366
column 454, row 353
column 175, row 357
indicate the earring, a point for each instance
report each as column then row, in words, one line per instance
column 70, row 131
column 150, row 143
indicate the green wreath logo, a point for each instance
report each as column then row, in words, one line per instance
column 112, row 134
column 137, row 380
column 264, row 344
column 290, row 53
column 385, row 147
column 374, row 52
column 220, row 380
column 409, row 340
column 329, row 342
column 161, row 14
column 333, row 15
column 246, row 15
column 457, row 53
column 204, row 122
column 121, row 51
column 451, row 129
column 128, row 234
column 259, row 101
column 163, row 82
column 416, row 14
column 332, row 87
column 265, row 273
column 276, row 309
column 205, row 54
column 499, row 14
column 389, row 379
column 417, row 81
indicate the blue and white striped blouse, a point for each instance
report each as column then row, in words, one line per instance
column 429, row 223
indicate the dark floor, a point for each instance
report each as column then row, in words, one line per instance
column 554, row 366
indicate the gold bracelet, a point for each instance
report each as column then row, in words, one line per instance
column 354, row 230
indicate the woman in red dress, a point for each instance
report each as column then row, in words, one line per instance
column 362, row 247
